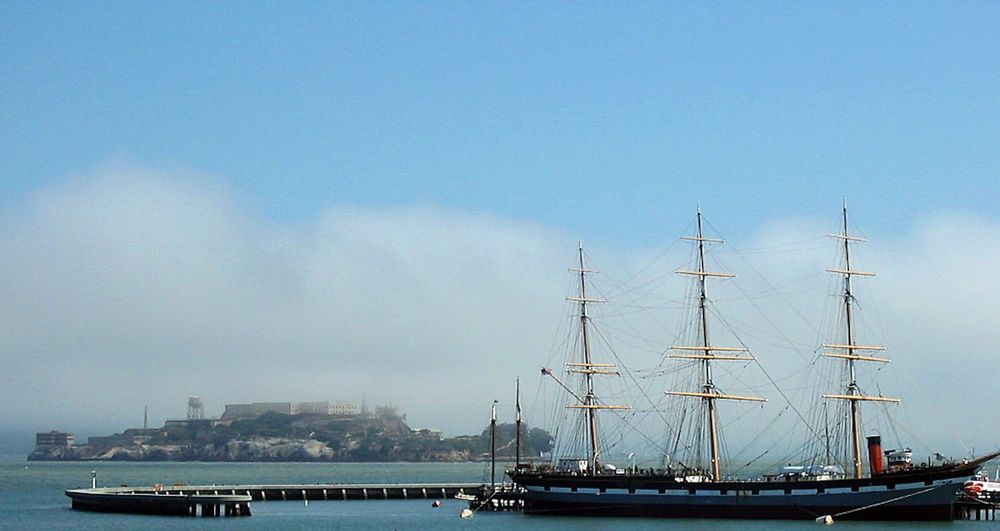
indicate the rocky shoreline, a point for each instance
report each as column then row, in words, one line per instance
column 257, row 449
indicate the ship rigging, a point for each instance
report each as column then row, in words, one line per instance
column 591, row 485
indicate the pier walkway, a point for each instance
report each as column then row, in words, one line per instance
column 234, row 500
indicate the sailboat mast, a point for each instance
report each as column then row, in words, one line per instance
column 517, row 426
column 589, row 399
column 493, row 447
column 708, row 386
column 852, row 388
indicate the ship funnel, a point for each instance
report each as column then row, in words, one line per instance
column 875, row 454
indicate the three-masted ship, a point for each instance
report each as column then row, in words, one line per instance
column 897, row 490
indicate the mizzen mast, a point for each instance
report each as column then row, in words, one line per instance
column 849, row 351
column 588, row 369
column 706, row 352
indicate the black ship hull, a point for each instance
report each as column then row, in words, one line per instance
column 925, row 504
column 927, row 494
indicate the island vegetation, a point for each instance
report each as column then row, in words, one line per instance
column 383, row 436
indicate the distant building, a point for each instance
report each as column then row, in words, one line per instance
column 256, row 409
column 428, row 433
column 183, row 423
column 54, row 439
column 310, row 408
column 196, row 408
column 344, row 408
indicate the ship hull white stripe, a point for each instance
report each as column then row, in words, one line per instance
column 763, row 490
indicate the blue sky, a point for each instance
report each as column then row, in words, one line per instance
column 327, row 198
column 607, row 120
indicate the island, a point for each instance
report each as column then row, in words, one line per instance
column 380, row 436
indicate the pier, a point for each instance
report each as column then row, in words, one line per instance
column 127, row 500
column 969, row 508
column 234, row 500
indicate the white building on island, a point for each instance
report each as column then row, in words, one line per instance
column 256, row 409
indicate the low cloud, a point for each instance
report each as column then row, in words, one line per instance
column 130, row 286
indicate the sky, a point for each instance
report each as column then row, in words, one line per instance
column 254, row 202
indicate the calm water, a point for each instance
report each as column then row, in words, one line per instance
column 31, row 497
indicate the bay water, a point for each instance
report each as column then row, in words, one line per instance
column 32, row 497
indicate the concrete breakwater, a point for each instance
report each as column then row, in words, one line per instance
column 234, row 500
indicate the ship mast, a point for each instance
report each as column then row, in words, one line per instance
column 517, row 426
column 707, row 353
column 853, row 393
column 588, row 369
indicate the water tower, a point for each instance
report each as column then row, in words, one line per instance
column 196, row 408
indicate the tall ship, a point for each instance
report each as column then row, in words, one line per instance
column 823, row 487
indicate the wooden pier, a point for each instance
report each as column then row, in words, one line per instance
column 968, row 508
column 125, row 500
column 234, row 500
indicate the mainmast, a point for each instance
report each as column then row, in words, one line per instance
column 853, row 393
column 588, row 369
column 707, row 353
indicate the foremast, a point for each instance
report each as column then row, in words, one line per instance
column 586, row 367
column 848, row 351
column 706, row 352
